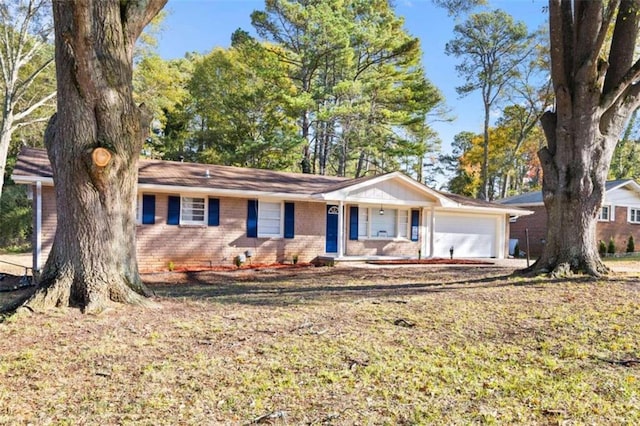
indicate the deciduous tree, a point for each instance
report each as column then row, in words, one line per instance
column 596, row 90
column 493, row 47
column 93, row 259
column 26, row 61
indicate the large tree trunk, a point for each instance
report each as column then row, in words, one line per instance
column 594, row 99
column 573, row 190
column 5, row 141
column 93, row 259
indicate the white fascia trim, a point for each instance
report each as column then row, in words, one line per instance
column 489, row 210
column 517, row 205
column 634, row 186
column 29, row 180
column 222, row 192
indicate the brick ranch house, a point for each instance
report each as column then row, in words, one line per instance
column 195, row 215
column 619, row 217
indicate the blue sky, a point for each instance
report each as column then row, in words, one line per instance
column 201, row 25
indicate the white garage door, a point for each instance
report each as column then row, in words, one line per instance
column 469, row 235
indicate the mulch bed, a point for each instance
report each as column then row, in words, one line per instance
column 250, row 266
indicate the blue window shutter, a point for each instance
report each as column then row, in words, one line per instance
column 252, row 218
column 353, row 222
column 214, row 212
column 148, row 209
column 173, row 212
column 415, row 224
column 289, row 220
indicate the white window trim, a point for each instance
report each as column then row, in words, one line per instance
column 266, row 235
column 376, row 210
column 608, row 219
column 637, row 209
column 204, row 220
column 139, row 209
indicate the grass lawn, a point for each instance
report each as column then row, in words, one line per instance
column 342, row 346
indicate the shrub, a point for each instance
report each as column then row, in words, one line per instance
column 602, row 248
column 631, row 245
column 15, row 218
column 516, row 251
column 611, row 248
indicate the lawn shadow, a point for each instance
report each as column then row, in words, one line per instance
column 333, row 284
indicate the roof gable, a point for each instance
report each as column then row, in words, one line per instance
column 620, row 192
column 392, row 188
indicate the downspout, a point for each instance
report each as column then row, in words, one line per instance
column 432, row 233
column 38, row 248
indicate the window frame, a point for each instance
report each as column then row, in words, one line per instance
column 600, row 216
column 205, row 211
column 374, row 211
column 635, row 212
column 260, row 219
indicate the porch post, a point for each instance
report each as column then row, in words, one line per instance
column 341, row 232
column 424, row 232
column 432, row 233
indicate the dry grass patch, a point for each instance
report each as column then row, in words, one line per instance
column 415, row 345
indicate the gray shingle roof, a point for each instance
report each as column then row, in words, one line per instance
column 535, row 197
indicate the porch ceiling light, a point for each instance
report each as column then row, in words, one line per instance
column 381, row 210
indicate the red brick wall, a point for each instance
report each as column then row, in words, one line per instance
column 536, row 223
column 192, row 246
column 619, row 230
column 48, row 229
column 195, row 246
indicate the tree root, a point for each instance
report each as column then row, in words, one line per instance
column 560, row 270
column 64, row 290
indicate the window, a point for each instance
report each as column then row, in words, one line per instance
column 193, row 211
column 392, row 224
column 604, row 215
column 634, row 215
column 363, row 222
column 269, row 219
column 403, row 223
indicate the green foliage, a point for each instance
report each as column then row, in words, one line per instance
column 15, row 218
column 625, row 162
column 602, row 248
column 611, row 247
column 363, row 97
column 242, row 111
column 631, row 245
column 516, row 251
column 493, row 48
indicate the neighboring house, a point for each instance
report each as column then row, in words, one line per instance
column 618, row 218
column 202, row 214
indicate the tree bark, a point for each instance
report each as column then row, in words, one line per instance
column 93, row 263
column 594, row 100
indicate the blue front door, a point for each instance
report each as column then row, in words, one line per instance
column 332, row 229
